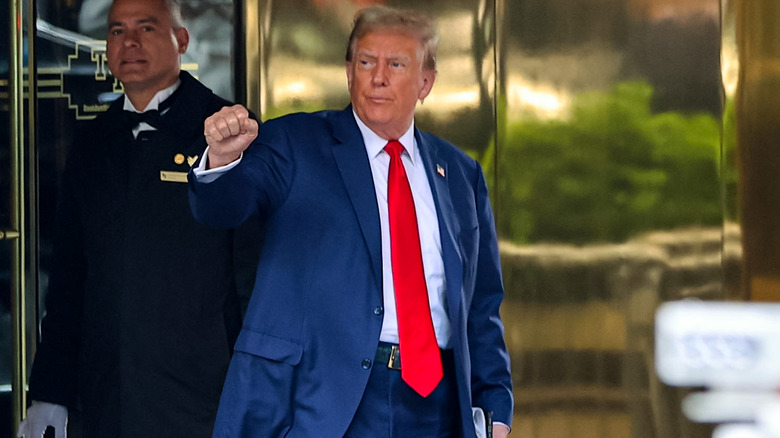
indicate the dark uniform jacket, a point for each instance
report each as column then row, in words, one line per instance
column 143, row 302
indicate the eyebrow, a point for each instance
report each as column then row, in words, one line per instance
column 389, row 58
column 399, row 58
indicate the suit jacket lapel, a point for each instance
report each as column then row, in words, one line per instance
column 352, row 161
column 449, row 228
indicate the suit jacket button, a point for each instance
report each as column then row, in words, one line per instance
column 378, row 310
column 366, row 364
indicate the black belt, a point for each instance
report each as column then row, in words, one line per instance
column 388, row 354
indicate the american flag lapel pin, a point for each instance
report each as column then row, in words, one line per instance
column 440, row 170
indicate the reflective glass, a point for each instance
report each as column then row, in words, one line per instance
column 608, row 186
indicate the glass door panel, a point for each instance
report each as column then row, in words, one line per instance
column 72, row 85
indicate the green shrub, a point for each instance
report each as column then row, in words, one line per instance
column 610, row 170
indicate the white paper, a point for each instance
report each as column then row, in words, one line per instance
column 480, row 422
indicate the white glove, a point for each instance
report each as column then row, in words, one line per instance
column 39, row 416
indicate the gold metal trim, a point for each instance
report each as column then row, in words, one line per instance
column 97, row 54
column 9, row 234
column 17, row 216
column 256, row 19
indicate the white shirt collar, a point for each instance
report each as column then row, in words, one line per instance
column 376, row 144
column 156, row 100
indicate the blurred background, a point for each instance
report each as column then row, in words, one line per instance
column 629, row 147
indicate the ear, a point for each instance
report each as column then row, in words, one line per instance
column 350, row 73
column 183, row 39
column 428, row 78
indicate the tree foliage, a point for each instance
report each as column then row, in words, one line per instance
column 610, row 170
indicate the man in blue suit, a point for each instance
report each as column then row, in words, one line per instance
column 319, row 351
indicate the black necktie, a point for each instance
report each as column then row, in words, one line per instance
column 151, row 117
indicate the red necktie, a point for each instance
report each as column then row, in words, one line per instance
column 420, row 358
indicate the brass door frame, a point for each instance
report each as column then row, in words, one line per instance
column 21, row 144
column 256, row 25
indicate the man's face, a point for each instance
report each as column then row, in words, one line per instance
column 143, row 47
column 386, row 78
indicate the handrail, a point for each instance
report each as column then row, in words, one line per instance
column 9, row 234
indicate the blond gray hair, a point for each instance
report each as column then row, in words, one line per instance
column 413, row 23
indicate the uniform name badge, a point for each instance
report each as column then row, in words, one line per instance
column 173, row 176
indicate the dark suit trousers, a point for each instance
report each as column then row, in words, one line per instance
column 391, row 409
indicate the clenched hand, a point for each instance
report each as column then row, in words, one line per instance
column 228, row 133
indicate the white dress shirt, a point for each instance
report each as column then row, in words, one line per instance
column 427, row 226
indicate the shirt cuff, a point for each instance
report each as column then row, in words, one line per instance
column 206, row 176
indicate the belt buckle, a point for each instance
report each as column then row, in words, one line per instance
column 394, row 361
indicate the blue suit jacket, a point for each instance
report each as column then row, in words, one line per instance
column 302, row 359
